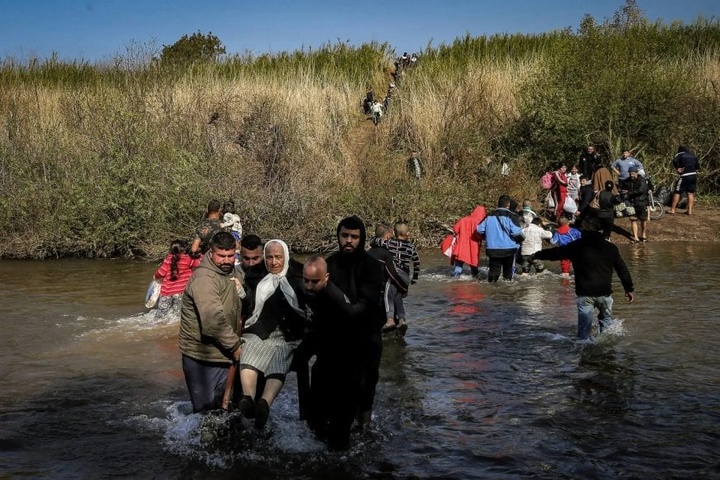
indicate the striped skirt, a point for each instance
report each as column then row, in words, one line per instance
column 271, row 356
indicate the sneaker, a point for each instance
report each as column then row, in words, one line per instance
column 262, row 413
column 247, row 406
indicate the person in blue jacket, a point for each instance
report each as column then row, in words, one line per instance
column 503, row 236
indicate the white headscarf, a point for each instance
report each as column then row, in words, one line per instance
column 270, row 282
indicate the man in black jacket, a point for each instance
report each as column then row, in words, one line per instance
column 588, row 162
column 593, row 259
column 346, row 315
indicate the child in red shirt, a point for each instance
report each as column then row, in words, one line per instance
column 174, row 273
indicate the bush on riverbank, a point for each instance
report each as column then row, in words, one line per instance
column 110, row 160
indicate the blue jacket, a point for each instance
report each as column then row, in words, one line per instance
column 501, row 231
column 565, row 238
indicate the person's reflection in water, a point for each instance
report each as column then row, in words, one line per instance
column 609, row 384
column 465, row 299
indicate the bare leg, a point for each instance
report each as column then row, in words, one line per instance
column 643, row 230
column 691, row 202
column 272, row 389
column 248, row 379
column 634, row 224
column 675, row 200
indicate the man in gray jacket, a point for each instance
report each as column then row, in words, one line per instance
column 209, row 337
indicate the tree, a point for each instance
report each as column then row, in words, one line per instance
column 628, row 16
column 195, row 48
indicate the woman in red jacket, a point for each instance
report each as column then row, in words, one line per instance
column 560, row 183
column 174, row 274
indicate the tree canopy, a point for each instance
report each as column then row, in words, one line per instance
column 197, row 47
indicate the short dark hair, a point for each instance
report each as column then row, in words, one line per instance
column 251, row 242
column 351, row 223
column 223, row 241
column 213, row 206
column 229, row 206
column 504, row 201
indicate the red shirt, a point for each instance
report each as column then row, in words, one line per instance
column 185, row 265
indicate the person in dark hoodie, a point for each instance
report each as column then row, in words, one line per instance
column 344, row 298
column 593, row 259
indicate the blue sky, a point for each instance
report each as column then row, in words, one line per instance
column 97, row 30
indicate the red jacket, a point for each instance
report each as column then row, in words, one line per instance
column 467, row 243
column 186, row 265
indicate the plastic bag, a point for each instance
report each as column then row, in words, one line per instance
column 550, row 201
column 447, row 244
column 569, row 206
column 153, row 294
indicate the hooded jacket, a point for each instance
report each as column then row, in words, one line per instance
column 467, row 240
column 351, row 307
column 210, row 314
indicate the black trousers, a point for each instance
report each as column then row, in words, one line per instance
column 506, row 265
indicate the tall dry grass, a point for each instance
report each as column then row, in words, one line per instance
column 104, row 161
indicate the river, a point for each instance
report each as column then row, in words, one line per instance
column 488, row 383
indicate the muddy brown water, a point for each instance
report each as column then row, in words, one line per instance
column 488, row 383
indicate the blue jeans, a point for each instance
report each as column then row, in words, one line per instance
column 586, row 307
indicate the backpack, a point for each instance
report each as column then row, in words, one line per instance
column 546, row 181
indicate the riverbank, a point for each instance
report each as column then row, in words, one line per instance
column 702, row 226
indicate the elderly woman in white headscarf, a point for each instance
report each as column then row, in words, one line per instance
column 274, row 312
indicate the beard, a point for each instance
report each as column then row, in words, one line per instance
column 227, row 268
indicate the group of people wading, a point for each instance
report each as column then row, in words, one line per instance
column 513, row 234
column 250, row 314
